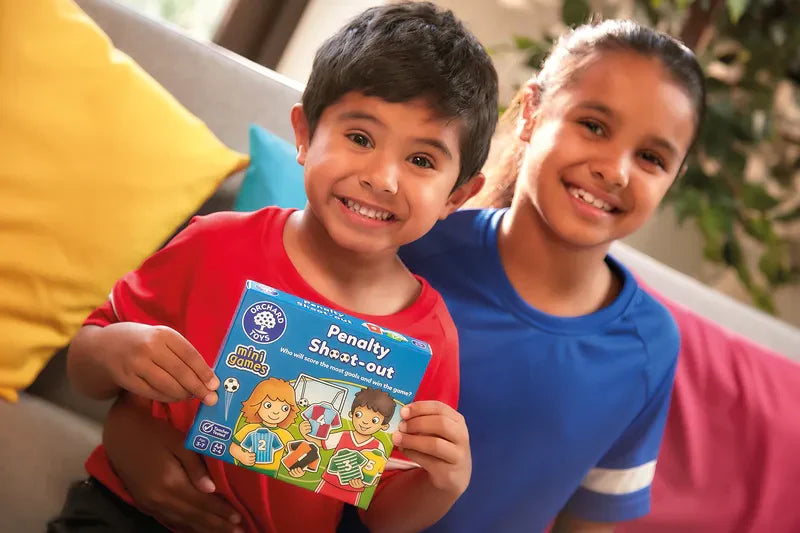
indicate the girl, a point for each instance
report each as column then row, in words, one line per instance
column 566, row 364
column 269, row 410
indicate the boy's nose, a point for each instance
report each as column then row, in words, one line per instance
column 381, row 180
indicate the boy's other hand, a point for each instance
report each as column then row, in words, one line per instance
column 435, row 436
column 305, row 428
column 164, row 479
column 158, row 363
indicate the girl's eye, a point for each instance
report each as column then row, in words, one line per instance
column 360, row 139
column 421, row 161
column 268, row 404
column 358, row 414
column 594, row 127
column 285, row 408
column 650, row 157
column 375, row 420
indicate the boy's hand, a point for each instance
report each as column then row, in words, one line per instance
column 158, row 363
column 357, row 483
column 435, row 436
column 305, row 428
column 165, row 479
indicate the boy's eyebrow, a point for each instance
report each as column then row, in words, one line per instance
column 350, row 115
column 361, row 115
column 435, row 143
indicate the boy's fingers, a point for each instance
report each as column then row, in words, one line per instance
column 435, row 447
column 173, row 365
column 161, row 381
column 189, row 355
column 430, row 407
column 435, row 425
column 144, row 389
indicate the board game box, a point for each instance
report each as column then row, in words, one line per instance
column 309, row 395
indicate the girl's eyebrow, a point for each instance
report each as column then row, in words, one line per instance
column 665, row 144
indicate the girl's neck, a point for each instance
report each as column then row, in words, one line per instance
column 373, row 284
column 549, row 274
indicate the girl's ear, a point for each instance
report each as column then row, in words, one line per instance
column 301, row 136
column 529, row 105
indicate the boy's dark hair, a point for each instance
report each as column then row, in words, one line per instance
column 377, row 400
column 402, row 51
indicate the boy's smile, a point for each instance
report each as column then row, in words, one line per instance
column 604, row 150
column 378, row 174
column 366, row 421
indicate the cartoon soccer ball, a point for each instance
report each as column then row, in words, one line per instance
column 302, row 402
column 231, row 385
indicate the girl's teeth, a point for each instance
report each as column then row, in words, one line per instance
column 590, row 199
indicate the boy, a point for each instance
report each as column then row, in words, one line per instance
column 371, row 412
column 394, row 127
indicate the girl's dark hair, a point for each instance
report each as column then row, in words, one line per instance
column 403, row 51
column 570, row 55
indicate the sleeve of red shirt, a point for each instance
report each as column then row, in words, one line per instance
column 156, row 292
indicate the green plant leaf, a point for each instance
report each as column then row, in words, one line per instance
column 762, row 299
column 687, row 202
column 756, row 197
column 732, row 252
column 774, row 265
column 736, row 9
column 522, row 42
column 759, row 228
column 575, row 12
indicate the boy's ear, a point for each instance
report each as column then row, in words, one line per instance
column 463, row 193
column 301, row 135
column 384, row 427
column 531, row 94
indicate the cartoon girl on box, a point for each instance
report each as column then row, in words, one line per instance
column 269, row 410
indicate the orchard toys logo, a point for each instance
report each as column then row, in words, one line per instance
column 264, row 322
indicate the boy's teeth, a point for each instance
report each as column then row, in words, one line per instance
column 589, row 198
column 367, row 212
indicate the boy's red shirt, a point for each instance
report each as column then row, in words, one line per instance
column 193, row 285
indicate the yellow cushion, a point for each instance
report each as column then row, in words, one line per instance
column 98, row 166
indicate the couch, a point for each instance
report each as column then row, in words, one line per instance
column 50, row 432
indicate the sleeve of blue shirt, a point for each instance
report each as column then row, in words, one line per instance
column 618, row 488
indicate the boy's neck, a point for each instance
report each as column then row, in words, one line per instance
column 360, row 438
column 551, row 275
column 372, row 284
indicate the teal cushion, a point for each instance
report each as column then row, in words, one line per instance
column 274, row 177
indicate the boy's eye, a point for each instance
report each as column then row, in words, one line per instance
column 358, row 414
column 375, row 420
column 360, row 139
column 650, row 157
column 267, row 404
column 421, row 161
column 594, row 127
